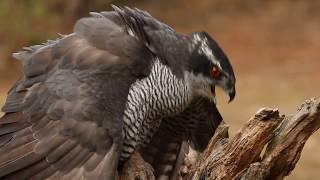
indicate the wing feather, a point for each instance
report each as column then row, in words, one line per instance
column 63, row 119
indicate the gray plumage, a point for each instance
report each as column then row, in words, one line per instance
column 119, row 83
column 192, row 127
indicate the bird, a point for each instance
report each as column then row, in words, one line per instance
column 119, row 83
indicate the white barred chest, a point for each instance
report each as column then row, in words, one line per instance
column 159, row 95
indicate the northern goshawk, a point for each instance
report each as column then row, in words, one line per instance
column 121, row 82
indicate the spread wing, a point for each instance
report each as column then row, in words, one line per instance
column 194, row 128
column 63, row 119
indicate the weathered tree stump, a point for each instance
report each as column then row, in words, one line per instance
column 268, row 146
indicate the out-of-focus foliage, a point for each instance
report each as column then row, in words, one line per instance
column 29, row 22
column 20, row 22
column 23, row 23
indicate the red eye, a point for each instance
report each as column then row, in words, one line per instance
column 215, row 72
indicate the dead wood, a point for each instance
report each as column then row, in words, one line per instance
column 268, row 146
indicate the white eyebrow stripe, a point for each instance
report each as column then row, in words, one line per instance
column 205, row 50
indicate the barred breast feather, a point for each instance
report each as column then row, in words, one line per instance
column 150, row 99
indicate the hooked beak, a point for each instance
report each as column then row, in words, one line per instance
column 231, row 93
column 228, row 85
column 230, row 88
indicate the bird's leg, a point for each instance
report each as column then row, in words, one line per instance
column 136, row 169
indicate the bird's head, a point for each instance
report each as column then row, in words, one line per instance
column 209, row 67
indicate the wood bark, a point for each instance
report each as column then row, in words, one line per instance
column 268, row 146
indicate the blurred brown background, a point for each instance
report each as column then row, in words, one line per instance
column 274, row 46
